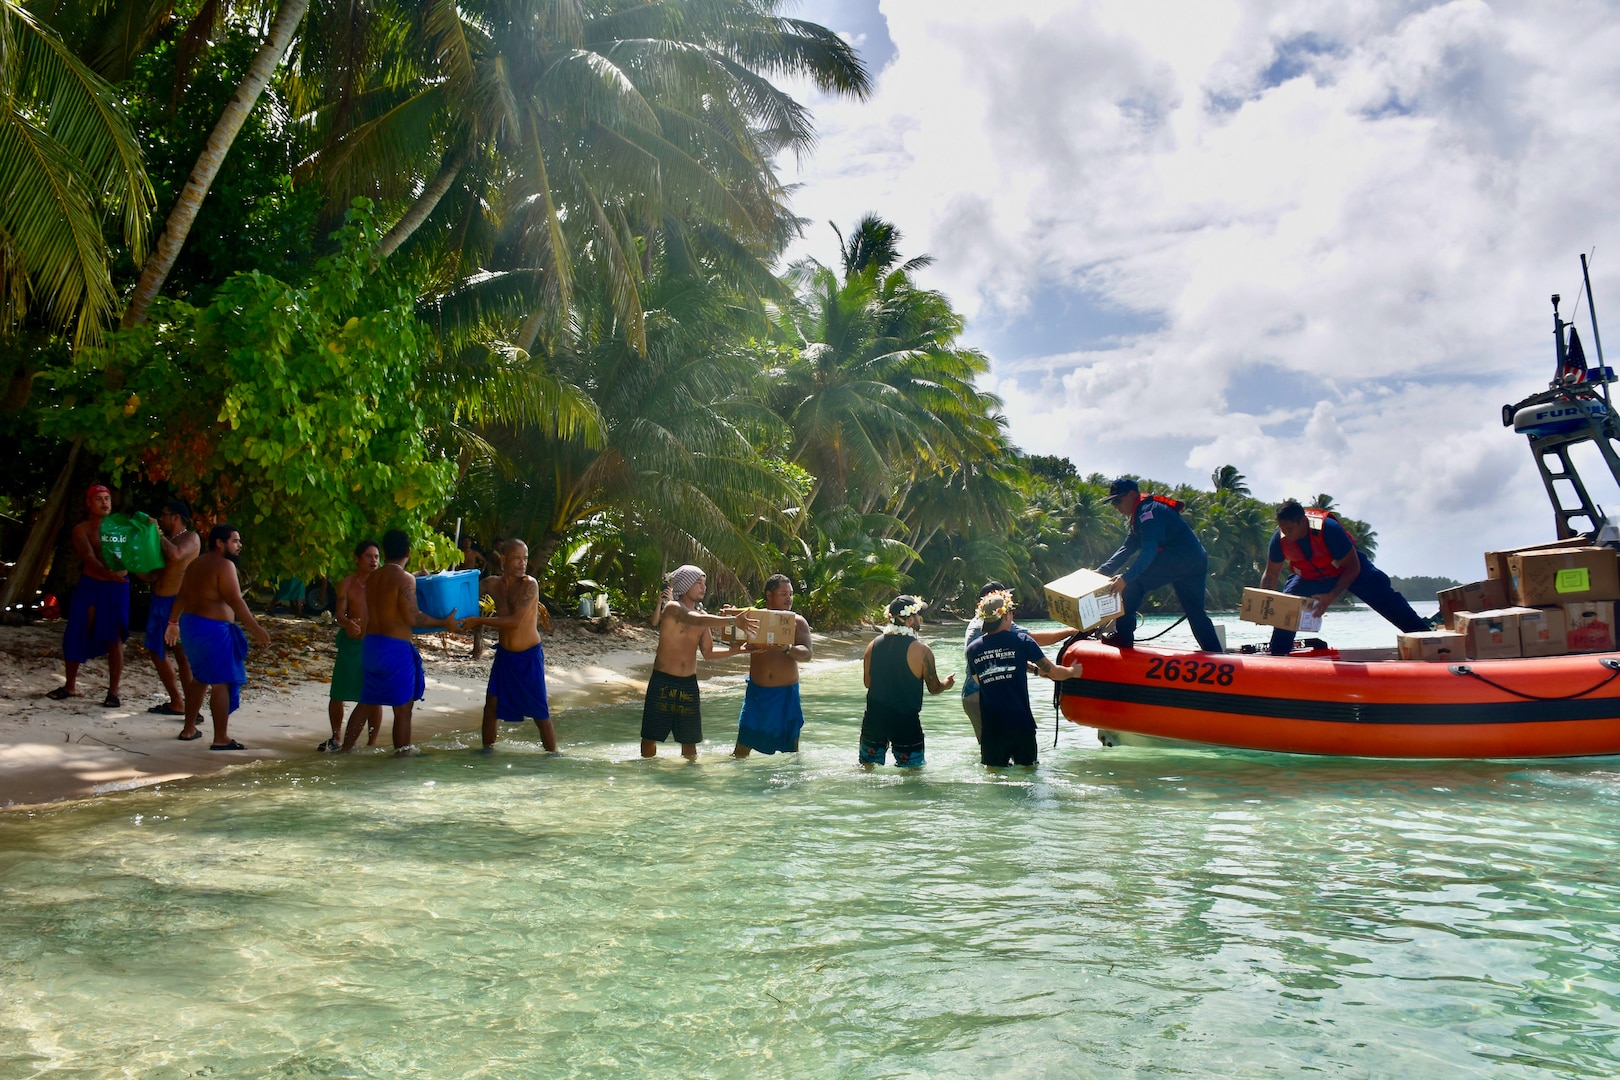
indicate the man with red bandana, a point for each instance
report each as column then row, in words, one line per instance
column 98, row 616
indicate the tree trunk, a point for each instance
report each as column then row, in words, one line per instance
column 175, row 230
column 25, row 576
column 423, row 206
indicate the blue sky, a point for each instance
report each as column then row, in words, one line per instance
column 1313, row 241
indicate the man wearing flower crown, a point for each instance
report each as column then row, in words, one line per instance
column 895, row 669
column 998, row 661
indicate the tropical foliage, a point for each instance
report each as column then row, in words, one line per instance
column 508, row 268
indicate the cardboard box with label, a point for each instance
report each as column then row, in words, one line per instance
column 1589, row 627
column 1484, row 595
column 1544, row 578
column 1434, row 646
column 1082, row 600
column 1541, row 632
column 1268, row 608
column 775, row 628
column 1491, row 635
column 1496, row 562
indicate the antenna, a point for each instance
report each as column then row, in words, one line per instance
column 1591, row 307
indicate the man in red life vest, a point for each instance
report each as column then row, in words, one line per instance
column 1167, row 553
column 1323, row 556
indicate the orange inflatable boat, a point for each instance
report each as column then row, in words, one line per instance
column 1349, row 704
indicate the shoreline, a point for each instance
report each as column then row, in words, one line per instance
column 57, row 751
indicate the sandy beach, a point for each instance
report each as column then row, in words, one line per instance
column 52, row 750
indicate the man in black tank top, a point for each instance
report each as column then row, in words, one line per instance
column 895, row 669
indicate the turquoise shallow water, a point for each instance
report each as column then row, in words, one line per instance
column 1116, row 912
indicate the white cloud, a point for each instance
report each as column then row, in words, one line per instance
column 1376, row 198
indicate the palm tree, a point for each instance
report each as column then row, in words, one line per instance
column 67, row 158
column 612, row 136
column 1227, row 478
column 156, row 269
column 873, row 385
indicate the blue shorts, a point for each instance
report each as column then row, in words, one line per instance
column 157, row 622
column 98, row 615
column 517, row 682
column 393, row 671
column 771, row 718
column 217, row 651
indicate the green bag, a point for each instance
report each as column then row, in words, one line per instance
column 131, row 543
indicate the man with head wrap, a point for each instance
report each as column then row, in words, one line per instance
column 98, row 617
column 895, row 669
column 672, row 706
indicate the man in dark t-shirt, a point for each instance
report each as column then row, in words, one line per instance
column 1326, row 564
column 999, row 661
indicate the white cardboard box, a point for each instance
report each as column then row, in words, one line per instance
column 1081, row 600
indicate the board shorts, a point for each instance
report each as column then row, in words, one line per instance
column 771, row 718
column 672, row 707
column 883, row 729
column 517, row 682
column 348, row 670
column 217, row 651
column 1003, row 744
column 157, row 623
column 98, row 615
column 392, row 671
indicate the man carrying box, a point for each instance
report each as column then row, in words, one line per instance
column 1167, row 553
column 1326, row 565
column 771, row 715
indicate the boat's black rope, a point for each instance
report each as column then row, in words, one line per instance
column 1165, row 631
column 1057, row 687
column 1614, row 673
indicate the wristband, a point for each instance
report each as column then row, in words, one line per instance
column 174, row 622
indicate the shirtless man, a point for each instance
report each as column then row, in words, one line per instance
column 347, row 675
column 98, row 616
column 392, row 666
column 204, row 619
column 517, row 680
column 672, row 692
column 896, row 668
column 771, row 716
column 180, row 547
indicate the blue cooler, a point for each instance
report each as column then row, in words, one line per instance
column 439, row 594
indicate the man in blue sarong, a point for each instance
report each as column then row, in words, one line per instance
column 391, row 665
column 771, row 716
column 204, row 620
column 517, row 679
column 98, row 615
column 181, row 547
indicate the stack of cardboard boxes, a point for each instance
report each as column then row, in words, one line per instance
column 1540, row 600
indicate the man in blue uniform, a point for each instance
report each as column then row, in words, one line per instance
column 1326, row 565
column 1166, row 553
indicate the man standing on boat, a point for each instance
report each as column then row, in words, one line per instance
column 1326, row 564
column 1166, row 553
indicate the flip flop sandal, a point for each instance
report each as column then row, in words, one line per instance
column 62, row 693
column 196, row 735
column 329, row 746
column 111, row 701
column 165, row 709
column 232, row 745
